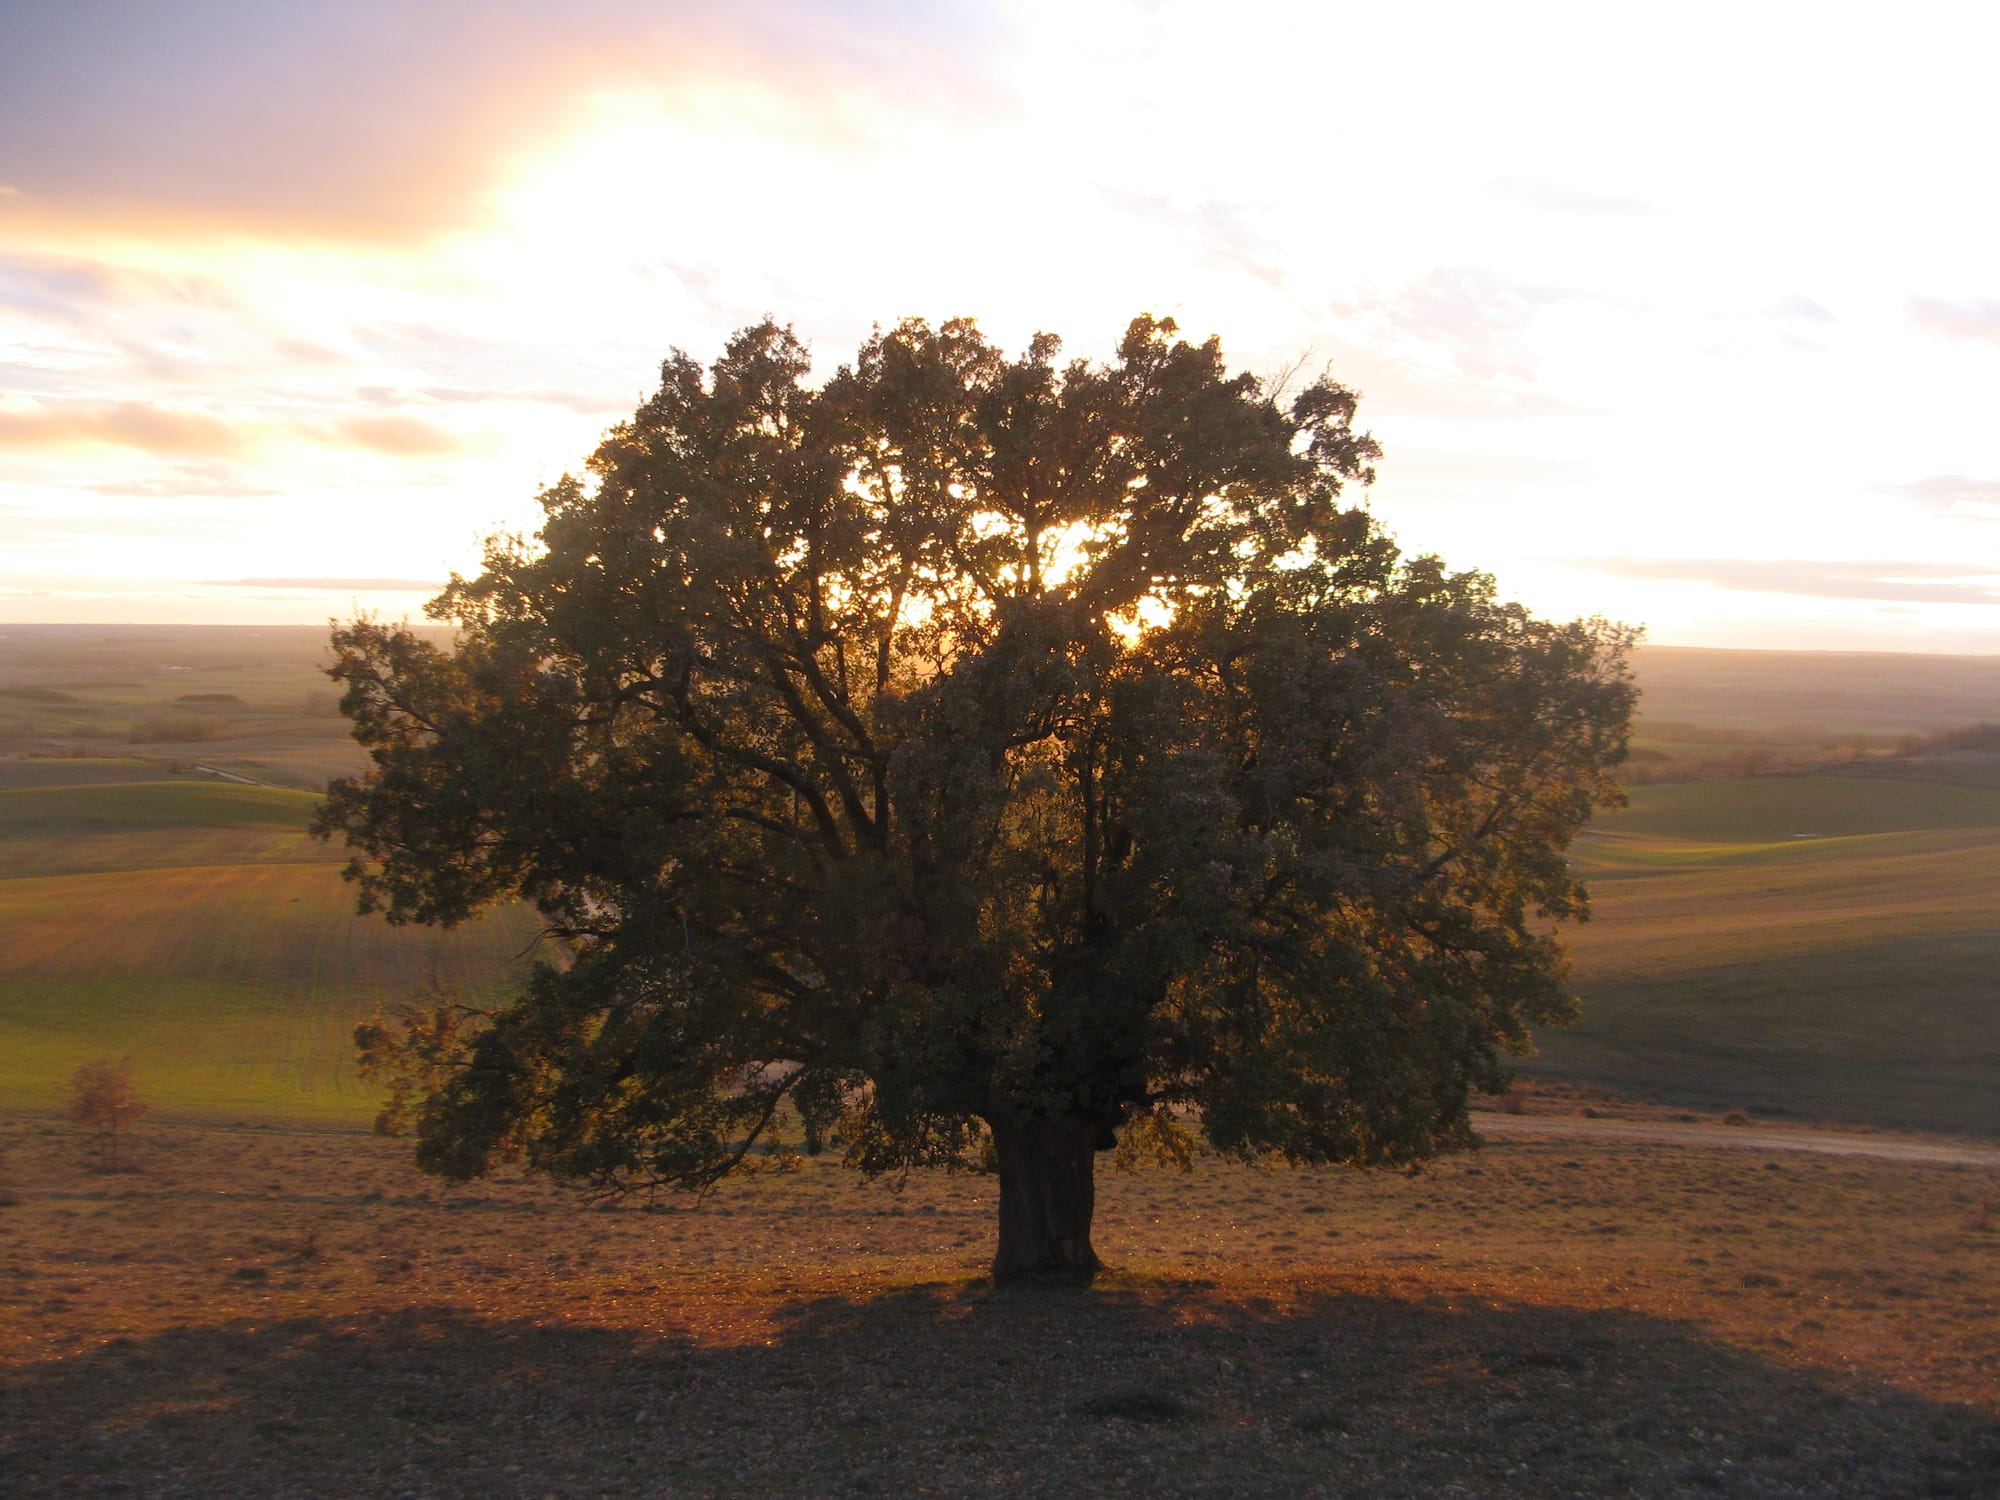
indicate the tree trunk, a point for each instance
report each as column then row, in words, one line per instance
column 1047, row 1196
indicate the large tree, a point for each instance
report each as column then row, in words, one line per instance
column 971, row 757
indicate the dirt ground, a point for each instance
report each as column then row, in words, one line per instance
column 280, row 1312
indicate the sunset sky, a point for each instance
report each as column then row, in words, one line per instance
column 1686, row 315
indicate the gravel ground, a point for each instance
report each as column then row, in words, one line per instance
column 275, row 1313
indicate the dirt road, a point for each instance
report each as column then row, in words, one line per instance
column 1742, row 1137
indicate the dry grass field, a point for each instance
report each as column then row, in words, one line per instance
column 287, row 1312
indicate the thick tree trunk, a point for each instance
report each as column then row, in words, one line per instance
column 1047, row 1196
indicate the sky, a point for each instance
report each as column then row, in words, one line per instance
column 1687, row 316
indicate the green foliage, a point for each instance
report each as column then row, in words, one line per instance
column 971, row 742
column 1159, row 1136
column 412, row 1056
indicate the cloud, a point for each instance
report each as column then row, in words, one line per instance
column 1978, row 320
column 68, row 283
column 1555, row 197
column 1450, row 396
column 1952, row 494
column 47, row 285
column 397, row 436
column 1917, row 582
column 583, row 403
column 377, row 119
column 178, row 432
column 27, row 528
column 454, row 360
column 128, row 325
column 70, row 314
column 1475, row 319
column 334, row 585
column 128, row 424
column 183, row 480
column 1221, row 233
column 1799, row 309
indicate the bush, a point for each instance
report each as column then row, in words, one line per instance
column 104, row 1099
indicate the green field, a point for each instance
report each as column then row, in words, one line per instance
column 1826, row 944
column 192, row 926
column 1821, row 945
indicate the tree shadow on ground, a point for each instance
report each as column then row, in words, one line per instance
column 1133, row 1387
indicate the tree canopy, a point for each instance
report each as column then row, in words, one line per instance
column 971, row 757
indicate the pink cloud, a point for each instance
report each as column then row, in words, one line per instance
column 179, row 433
column 1921, row 582
column 398, row 436
column 128, row 424
column 1976, row 320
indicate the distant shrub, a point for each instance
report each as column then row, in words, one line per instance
column 171, row 729
column 37, row 694
column 217, row 700
column 1969, row 737
column 1659, row 769
column 104, row 1099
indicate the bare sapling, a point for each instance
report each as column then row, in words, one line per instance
column 104, row 1099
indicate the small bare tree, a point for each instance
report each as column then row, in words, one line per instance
column 103, row 1098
